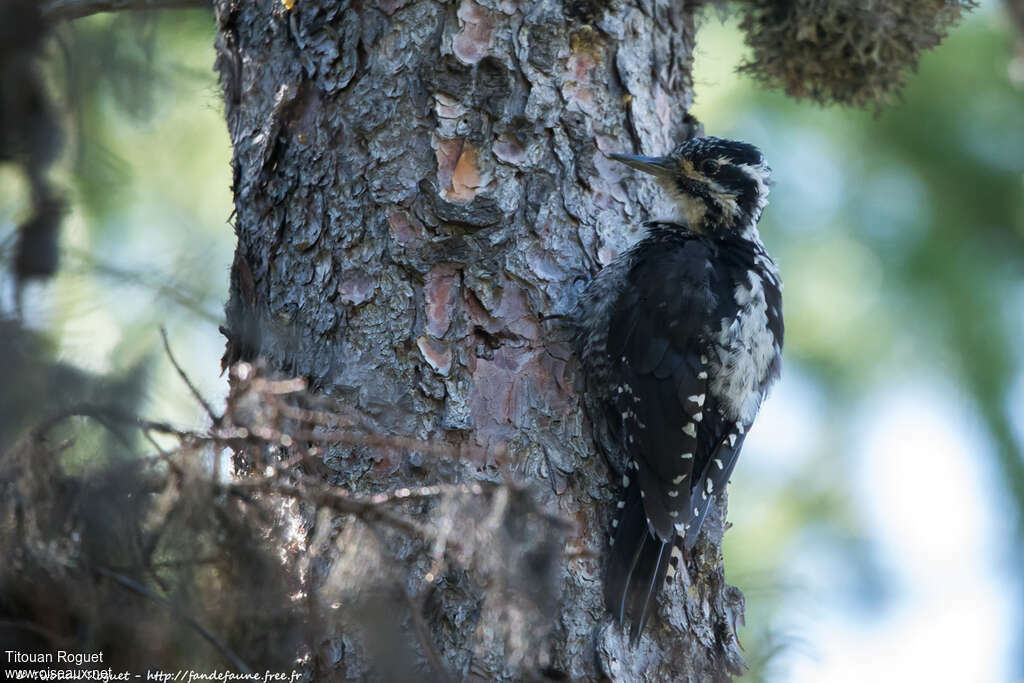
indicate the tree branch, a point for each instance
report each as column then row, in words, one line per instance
column 68, row 10
column 191, row 387
column 132, row 584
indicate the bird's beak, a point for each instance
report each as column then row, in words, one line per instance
column 652, row 165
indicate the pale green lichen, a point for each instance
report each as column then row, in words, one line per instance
column 847, row 52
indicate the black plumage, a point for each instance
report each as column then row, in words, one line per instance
column 680, row 338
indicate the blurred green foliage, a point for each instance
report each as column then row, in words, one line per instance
column 900, row 237
column 147, row 242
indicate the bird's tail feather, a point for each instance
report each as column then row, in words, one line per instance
column 637, row 567
column 701, row 499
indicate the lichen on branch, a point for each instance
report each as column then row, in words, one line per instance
column 842, row 52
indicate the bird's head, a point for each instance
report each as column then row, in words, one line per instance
column 720, row 185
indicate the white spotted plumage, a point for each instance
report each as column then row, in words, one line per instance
column 680, row 338
column 746, row 350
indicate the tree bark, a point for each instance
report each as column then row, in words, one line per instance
column 418, row 185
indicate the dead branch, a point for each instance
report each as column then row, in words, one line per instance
column 134, row 585
column 68, row 10
column 191, row 387
column 422, row 631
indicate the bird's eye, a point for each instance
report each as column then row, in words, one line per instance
column 709, row 167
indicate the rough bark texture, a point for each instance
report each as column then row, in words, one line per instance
column 417, row 185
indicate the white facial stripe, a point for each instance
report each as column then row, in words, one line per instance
column 760, row 175
column 693, row 210
column 725, row 198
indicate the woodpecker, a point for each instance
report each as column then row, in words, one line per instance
column 679, row 339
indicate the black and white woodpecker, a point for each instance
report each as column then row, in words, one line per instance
column 679, row 339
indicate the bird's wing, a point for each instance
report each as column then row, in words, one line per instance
column 658, row 349
column 722, row 436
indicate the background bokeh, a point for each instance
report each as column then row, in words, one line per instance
column 147, row 241
column 878, row 509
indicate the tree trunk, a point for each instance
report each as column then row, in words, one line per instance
column 417, row 186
